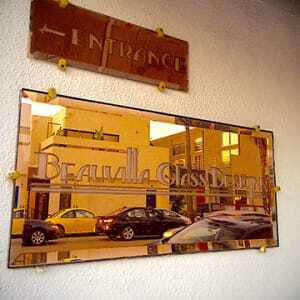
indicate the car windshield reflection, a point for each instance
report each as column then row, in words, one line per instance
column 203, row 230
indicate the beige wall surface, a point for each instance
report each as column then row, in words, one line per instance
column 244, row 69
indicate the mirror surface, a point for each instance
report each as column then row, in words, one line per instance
column 99, row 181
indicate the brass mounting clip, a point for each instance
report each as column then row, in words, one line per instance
column 256, row 132
column 14, row 175
column 276, row 189
column 160, row 32
column 63, row 3
column 162, row 86
column 62, row 64
column 257, row 128
column 51, row 93
column 263, row 249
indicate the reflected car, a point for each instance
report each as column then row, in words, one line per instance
column 74, row 221
column 18, row 219
column 242, row 215
column 172, row 214
column 217, row 230
column 37, row 232
column 128, row 223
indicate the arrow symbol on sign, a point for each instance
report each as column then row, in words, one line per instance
column 46, row 29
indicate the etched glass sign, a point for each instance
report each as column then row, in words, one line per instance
column 100, row 181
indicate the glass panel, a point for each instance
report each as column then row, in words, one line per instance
column 69, row 214
column 225, row 139
column 178, row 149
column 234, row 138
column 234, row 151
column 199, row 144
column 83, row 214
column 110, row 137
column 139, row 213
column 79, row 134
column 226, row 156
column 148, row 183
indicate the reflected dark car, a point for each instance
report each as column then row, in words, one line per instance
column 219, row 229
column 242, row 215
column 37, row 232
column 128, row 223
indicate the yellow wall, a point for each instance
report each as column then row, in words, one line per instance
column 131, row 129
column 248, row 162
column 58, row 118
column 38, row 134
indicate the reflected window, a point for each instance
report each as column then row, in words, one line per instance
column 198, row 163
column 204, row 230
column 230, row 139
column 230, row 146
column 18, row 214
column 111, row 137
column 84, row 214
column 137, row 213
column 169, row 213
column 69, row 214
column 178, row 149
column 153, row 213
column 198, row 144
column 64, row 200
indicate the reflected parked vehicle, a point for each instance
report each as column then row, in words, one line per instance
column 74, row 221
column 219, row 229
column 172, row 214
column 18, row 219
column 242, row 215
column 37, row 232
column 128, row 223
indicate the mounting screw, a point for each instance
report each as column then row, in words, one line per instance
column 162, row 86
column 276, row 189
column 62, row 64
column 160, row 32
column 51, row 93
column 14, row 175
column 257, row 128
column 263, row 249
column 63, row 3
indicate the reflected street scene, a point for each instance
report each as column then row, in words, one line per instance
column 98, row 181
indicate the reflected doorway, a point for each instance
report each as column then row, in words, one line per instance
column 41, row 206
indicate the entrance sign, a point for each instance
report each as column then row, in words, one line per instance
column 129, row 183
column 103, row 44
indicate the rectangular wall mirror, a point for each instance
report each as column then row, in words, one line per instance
column 100, row 181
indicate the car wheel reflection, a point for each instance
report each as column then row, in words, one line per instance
column 38, row 237
column 128, row 233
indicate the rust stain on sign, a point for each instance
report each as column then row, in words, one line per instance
column 103, row 44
